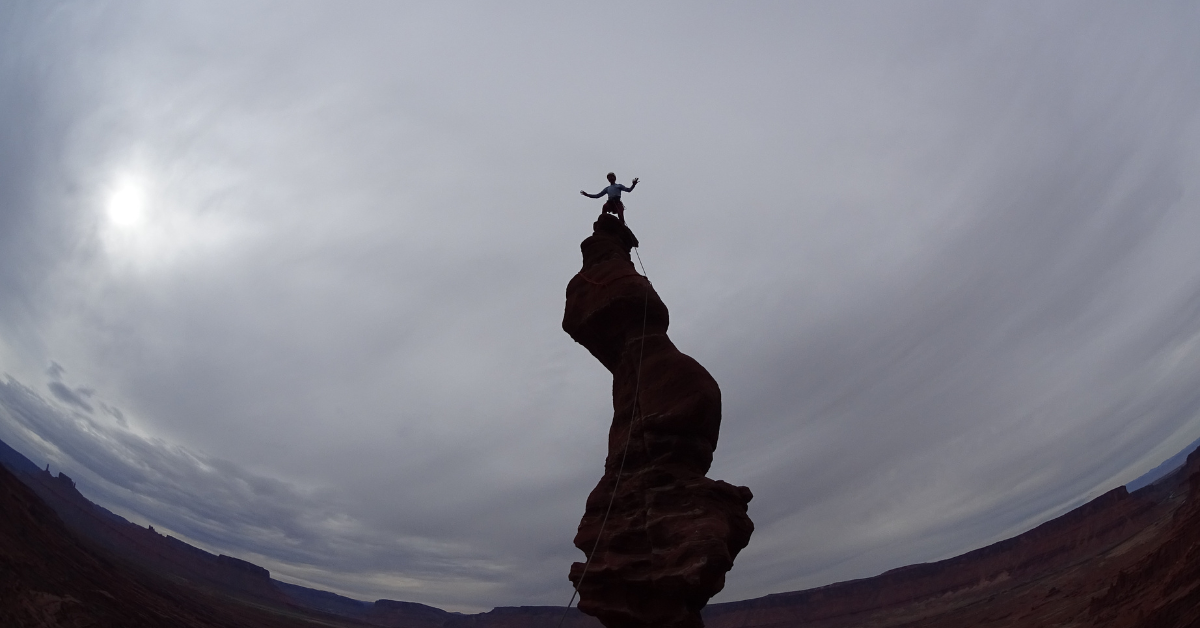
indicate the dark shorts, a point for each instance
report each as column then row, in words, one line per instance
column 614, row 206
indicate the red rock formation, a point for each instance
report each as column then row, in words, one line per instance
column 673, row 533
column 148, row 549
column 1123, row 560
column 51, row 579
column 1162, row 590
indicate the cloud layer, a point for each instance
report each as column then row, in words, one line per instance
column 296, row 271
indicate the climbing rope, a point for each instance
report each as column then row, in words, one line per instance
column 628, row 437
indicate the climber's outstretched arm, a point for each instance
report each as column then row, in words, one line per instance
column 591, row 195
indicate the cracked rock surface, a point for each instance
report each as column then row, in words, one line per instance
column 672, row 533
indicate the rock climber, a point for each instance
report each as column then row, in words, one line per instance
column 613, row 205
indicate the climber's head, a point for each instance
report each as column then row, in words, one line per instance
column 612, row 178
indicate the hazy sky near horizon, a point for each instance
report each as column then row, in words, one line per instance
column 286, row 279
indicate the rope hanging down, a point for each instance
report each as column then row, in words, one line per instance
column 628, row 437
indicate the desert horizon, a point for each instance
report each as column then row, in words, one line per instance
column 1123, row 559
column 654, row 308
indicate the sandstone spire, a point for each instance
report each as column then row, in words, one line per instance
column 672, row 533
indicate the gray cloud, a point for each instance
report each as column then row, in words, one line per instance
column 69, row 396
column 55, row 371
column 310, row 260
column 220, row 505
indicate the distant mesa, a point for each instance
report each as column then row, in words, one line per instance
column 1127, row 559
column 1168, row 466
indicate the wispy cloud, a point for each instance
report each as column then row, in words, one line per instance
column 302, row 268
column 302, row 534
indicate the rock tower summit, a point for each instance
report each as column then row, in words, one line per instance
column 672, row 533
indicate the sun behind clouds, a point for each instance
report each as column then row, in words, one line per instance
column 126, row 207
column 149, row 223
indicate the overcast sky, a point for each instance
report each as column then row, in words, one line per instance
column 285, row 279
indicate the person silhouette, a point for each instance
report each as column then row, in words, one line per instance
column 613, row 205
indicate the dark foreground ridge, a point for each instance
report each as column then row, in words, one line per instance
column 672, row 533
column 1123, row 560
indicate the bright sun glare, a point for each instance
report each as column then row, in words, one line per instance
column 127, row 204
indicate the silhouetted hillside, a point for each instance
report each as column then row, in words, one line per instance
column 1125, row 559
column 49, row 578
